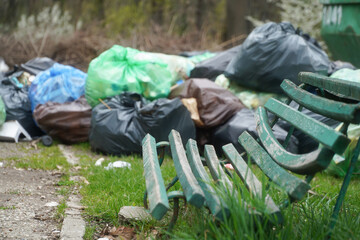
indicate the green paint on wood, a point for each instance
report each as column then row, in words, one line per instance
column 155, row 186
column 217, row 172
column 317, row 130
column 336, row 110
column 175, row 194
column 217, row 208
column 250, row 180
column 345, row 88
column 193, row 193
column 294, row 186
column 302, row 164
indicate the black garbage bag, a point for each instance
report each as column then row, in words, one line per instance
column 337, row 65
column 121, row 129
column 191, row 53
column 244, row 121
column 36, row 65
column 274, row 52
column 213, row 67
column 18, row 105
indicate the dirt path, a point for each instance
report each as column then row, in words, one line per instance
column 26, row 197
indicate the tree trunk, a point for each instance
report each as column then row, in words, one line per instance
column 238, row 10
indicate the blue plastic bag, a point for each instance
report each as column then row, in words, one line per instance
column 59, row 84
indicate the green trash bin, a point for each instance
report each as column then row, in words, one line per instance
column 340, row 29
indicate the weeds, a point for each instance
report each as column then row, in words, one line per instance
column 60, row 211
column 7, row 207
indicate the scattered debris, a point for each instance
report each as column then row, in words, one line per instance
column 69, row 155
column 51, row 204
column 133, row 213
column 79, row 179
column 229, row 166
column 121, row 232
column 99, row 161
column 118, row 164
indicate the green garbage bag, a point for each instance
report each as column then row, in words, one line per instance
column 2, row 112
column 122, row 69
column 347, row 74
column 340, row 164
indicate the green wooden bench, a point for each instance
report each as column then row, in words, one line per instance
column 337, row 99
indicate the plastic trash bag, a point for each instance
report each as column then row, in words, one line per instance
column 347, row 74
column 213, row 67
column 215, row 104
column 68, row 122
column 17, row 103
column 122, row 69
column 59, row 84
column 340, row 164
column 201, row 57
column 179, row 67
column 2, row 112
column 119, row 126
column 37, row 65
column 337, row 65
column 274, row 52
column 3, row 66
column 244, row 120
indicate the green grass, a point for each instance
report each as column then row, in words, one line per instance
column 109, row 190
column 60, row 211
column 7, row 207
column 47, row 158
column 307, row 219
column 89, row 232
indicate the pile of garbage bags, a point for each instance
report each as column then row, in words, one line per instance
column 127, row 93
column 119, row 125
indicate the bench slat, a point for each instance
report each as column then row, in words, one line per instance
column 155, row 186
column 216, row 171
column 317, row 130
column 216, row 206
column 249, row 178
column 336, row 110
column 347, row 89
column 294, row 186
column 193, row 193
column 302, row 164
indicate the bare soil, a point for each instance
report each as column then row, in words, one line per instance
column 24, row 195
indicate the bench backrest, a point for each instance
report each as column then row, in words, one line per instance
column 330, row 103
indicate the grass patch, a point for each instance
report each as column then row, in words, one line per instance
column 307, row 219
column 46, row 158
column 89, row 232
column 109, row 190
column 60, row 211
column 7, row 207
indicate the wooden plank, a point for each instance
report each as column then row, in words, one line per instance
column 155, row 186
column 216, row 171
column 250, row 180
column 347, row 89
column 193, row 192
column 302, row 164
column 336, row 110
column 322, row 133
column 294, row 186
column 217, row 207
